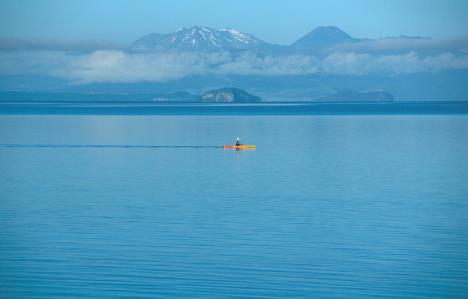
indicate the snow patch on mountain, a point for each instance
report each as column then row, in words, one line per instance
column 197, row 38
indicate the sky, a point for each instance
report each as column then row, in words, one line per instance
column 275, row 21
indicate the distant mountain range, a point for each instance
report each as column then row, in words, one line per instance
column 198, row 38
column 321, row 40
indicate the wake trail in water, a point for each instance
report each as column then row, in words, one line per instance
column 103, row 146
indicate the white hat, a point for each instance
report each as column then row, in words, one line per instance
column 238, row 138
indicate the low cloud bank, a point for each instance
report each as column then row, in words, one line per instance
column 121, row 66
column 404, row 44
column 362, row 64
column 19, row 44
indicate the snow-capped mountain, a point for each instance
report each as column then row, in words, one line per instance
column 320, row 42
column 198, row 38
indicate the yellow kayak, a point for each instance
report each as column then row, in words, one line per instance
column 243, row 146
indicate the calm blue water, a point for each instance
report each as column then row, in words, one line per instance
column 326, row 206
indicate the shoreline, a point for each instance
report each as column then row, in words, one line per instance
column 267, row 108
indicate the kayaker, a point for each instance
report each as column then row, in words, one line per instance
column 238, row 142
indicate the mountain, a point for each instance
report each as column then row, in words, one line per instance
column 319, row 42
column 205, row 39
column 198, row 38
column 321, row 38
column 229, row 95
column 358, row 96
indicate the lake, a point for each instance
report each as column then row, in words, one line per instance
column 110, row 206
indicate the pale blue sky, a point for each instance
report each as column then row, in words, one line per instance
column 274, row 21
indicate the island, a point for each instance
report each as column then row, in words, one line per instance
column 229, row 95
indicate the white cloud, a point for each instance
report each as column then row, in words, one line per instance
column 119, row 66
column 404, row 45
column 251, row 64
column 19, row 44
column 360, row 64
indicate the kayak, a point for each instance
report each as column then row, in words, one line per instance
column 243, row 146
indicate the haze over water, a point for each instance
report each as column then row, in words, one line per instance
column 326, row 206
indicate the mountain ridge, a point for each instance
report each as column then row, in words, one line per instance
column 201, row 38
column 320, row 41
column 197, row 38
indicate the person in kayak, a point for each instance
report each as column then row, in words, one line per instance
column 238, row 142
